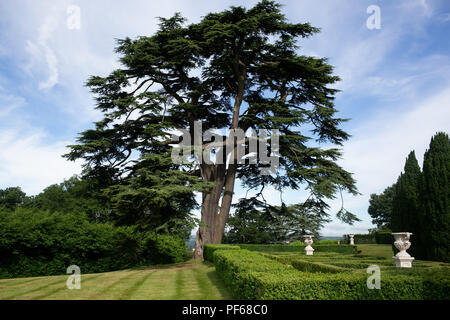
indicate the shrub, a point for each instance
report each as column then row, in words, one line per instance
column 37, row 243
column 298, row 248
column 165, row 249
column 235, row 267
column 324, row 241
column 250, row 275
column 208, row 250
column 297, row 243
column 364, row 239
column 328, row 241
column 383, row 237
column 307, row 266
column 273, row 247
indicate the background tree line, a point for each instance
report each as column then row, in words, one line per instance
column 78, row 195
column 74, row 223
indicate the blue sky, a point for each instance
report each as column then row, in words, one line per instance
column 395, row 81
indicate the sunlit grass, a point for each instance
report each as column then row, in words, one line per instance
column 192, row 280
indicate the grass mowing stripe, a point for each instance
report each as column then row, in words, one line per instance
column 49, row 293
column 203, row 284
column 13, row 282
column 190, row 280
column 129, row 292
column 115, row 283
column 179, row 283
column 33, row 290
column 162, row 286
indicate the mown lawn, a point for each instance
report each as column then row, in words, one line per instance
column 191, row 280
column 378, row 250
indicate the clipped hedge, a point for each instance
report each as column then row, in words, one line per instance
column 328, row 263
column 308, row 266
column 364, row 239
column 236, row 268
column 328, row 241
column 361, row 264
column 342, row 248
column 208, row 250
column 251, row 276
column 384, row 237
column 272, row 247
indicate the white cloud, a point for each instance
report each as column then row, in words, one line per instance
column 381, row 145
column 9, row 103
column 423, row 5
column 40, row 51
column 31, row 163
column 445, row 17
column 52, row 63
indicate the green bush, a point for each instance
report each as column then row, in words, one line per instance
column 328, row 241
column 297, row 243
column 298, row 248
column 235, row 267
column 324, row 241
column 383, row 237
column 307, row 266
column 250, row 276
column 364, row 239
column 165, row 249
column 327, row 262
column 208, row 250
column 37, row 243
column 273, row 247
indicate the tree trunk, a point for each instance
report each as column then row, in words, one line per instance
column 212, row 220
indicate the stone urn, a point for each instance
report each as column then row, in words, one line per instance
column 309, row 241
column 402, row 258
column 352, row 241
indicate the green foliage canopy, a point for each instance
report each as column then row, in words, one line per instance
column 380, row 208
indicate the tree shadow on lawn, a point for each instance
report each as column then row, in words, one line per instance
column 217, row 282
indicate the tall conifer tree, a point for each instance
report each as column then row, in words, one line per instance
column 239, row 68
column 435, row 191
column 406, row 211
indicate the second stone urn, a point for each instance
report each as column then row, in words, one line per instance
column 402, row 243
column 352, row 241
column 309, row 241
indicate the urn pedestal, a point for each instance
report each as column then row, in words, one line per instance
column 402, row 243
column 352, row 241
column 308, row 241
